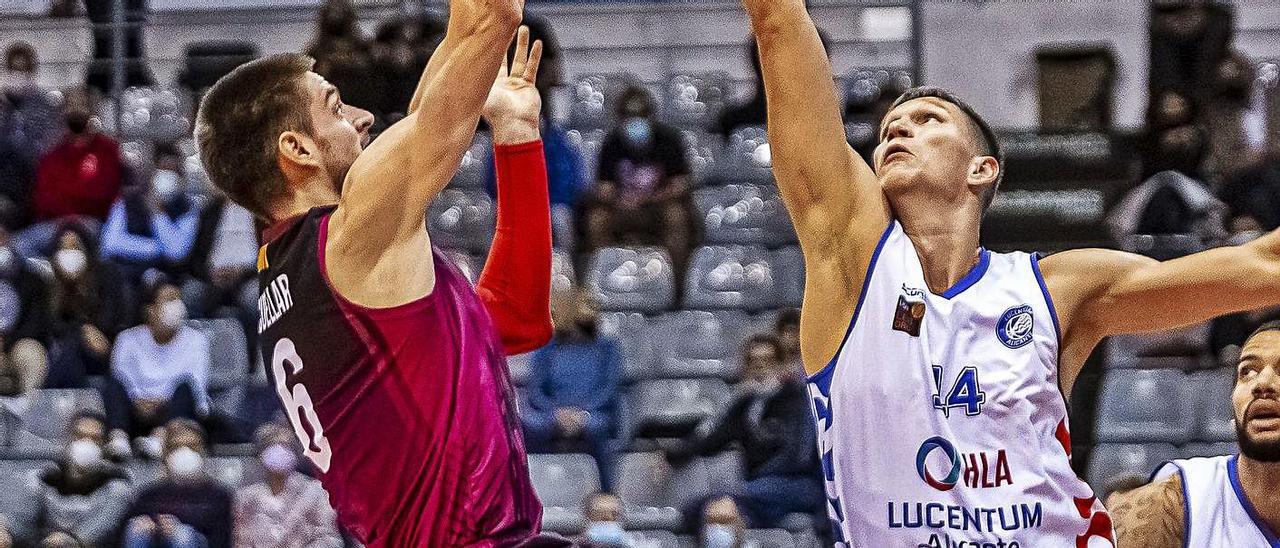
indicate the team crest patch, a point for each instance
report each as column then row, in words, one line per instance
column 1015, row 326
column 908, row 317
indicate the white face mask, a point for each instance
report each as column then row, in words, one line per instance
column 184, row 462
column 7, row 259
column 607, row 533
column 166, row 185
column 71, row 262
column 717, row 535
column 173, row 314
column 279, row 459
column 84, row 454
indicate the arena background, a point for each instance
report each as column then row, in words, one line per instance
column 1074, row 88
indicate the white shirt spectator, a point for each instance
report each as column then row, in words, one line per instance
column 235, row 245
column 299, row 517
column 153, row 371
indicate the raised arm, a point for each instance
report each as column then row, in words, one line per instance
column 832, row 195
column 378, row 231
column 1099, row 292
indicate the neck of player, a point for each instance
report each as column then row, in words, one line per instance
column 316, row 191
column 1261, row 481
column 947, row 243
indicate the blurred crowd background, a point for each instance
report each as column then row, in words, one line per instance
column 670, row 408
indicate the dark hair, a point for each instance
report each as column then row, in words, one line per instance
column 635, row 91
column 1273, row 325
column 19, row 49
column 153, row 282
column 166, row 149
column 991, row 145
column 240, row 121
column 787, row 317
column 765, row 339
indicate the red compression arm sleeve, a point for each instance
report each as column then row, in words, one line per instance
column 516, row 282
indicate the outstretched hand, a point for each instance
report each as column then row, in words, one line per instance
column 514, row 105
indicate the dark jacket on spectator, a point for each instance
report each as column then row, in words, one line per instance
column 89, row 510
column 100, row 298
column 33, row 305
column 203, row 504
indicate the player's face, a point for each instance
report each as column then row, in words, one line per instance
column 340, row 130
column 925, row 147
column 1256, row 397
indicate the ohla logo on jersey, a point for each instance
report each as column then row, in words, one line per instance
column 978, row 470
column 1015, row 326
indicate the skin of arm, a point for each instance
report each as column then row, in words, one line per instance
column 1151, row 516
column 832, row 195
column 1099, row 292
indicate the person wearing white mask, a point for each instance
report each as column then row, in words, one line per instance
column 604, row 522
column 160, row 368
column 187, row 508
column 24, row 323
column 81, row 500
column 88, row 308
column 287, row 509
column 155, row 227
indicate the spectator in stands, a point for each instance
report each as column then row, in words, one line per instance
column 1254, row 193
column 186, row 508
column 566, row 178
column 100, row 14
column 573, row 389
column 1235, row 125
column 155, row 226
column 786, row 327
column 722, row 524
column 90, row 306
column 80, row 501
column 24, row 322
column 401, row 48
column 223, row 265
column 770, row 417
column 752, row 111
column 289, row 507
column 161, row 368
column 1188, row 40
column 604, row 520
column 1175, row 141
column 82, row 174
column 342, row 54
column 30, row 124
column 1169, row 203
column 641, row 194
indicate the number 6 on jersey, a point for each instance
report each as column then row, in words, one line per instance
column 299, row 400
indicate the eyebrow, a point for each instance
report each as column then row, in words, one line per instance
column 330, row 94
column 885, row 125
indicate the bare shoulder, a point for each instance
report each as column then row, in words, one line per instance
column 1075, row 278
column 1151, row 516
column 376, row 273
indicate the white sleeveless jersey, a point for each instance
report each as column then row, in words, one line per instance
column 940, row 421
column 1217, row 514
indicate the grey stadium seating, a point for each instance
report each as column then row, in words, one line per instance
column 788, row 277
column 700, row 344
column 48, row 412
column 563, row 483
column 769, row 538
column 736, row 277
column 634, row 332
column 695, row 100
column 631, row 279
column 20, row 480
column 1217, row 416
column 747, row 156
column 674, row 407
column 653, row 492
column 1112, row 463
column 462, row 219
column 743, row 214
column 475, row 164
column 1141, row 405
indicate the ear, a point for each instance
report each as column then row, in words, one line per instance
column 983, row 171
column 296, row 149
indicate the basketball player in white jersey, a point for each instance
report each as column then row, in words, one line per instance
column 1219, row 502
column 939, row 370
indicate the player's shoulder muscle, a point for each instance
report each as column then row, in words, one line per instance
column 1151, row 516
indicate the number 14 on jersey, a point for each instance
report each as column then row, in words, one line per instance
column 965, row 392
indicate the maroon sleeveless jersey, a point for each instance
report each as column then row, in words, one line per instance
column 408, row 412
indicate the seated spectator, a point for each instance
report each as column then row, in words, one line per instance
column 289, row 508
column 400, row 49
column 573, row 389
column 223, row 266
column 786, row 327
column 30, row 124
column 770, row 417
column 24, row 323
column 1255, row 193
column 1175, row 140
column 81, row 500
column 566, row 179
column 752, row 111
column 1169, row 202
column 90, row 307
column 641, row 195
column 154, row 227
column 82, row 174
column 161, row 368
column 604, row 521
column 186, row 508
column 342, row 54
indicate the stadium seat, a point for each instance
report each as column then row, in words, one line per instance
column 563, row 277
column 700, row 344
column 743, row 214
column 48, row 412
column 633, row 331
column 475, row 166
column 208, row 60
column 1202, row 449
column 594, row 97
column 588, row 142
column 738, row 277
column 1115, row 463
column 1137, row 406
column 705, row 150
column 1217, row 415
column 747, row 156
column 520, row 366
column 674, row 407
column 653, row 492
column 235, row 472
column 1188, row 341
column 652, row 539
column 229, row 352
column 20, row 480
column 695, row 100
column 462, row 219
column 788, row 277
column 769, row 538
column 729, row 468
column 152, row 114
column 563, row 482
column 631, row 279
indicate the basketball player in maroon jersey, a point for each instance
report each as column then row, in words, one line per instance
column 391, row 367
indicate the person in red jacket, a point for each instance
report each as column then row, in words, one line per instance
column 82, row 175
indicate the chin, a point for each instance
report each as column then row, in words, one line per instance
column 1264, row 447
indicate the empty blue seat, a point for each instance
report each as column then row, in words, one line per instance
column 1216, row 413
column 462, row 219
column 769, row 538
column 1138, row 405
column 475, row 165
column 631, row 279
column 229, row 352
column 563, row 483
column 700, row 344
column 1208, row 449
column 1115, row 464
column 788, row 277
column 705, row 152
column 653, row 492
column 738, row 277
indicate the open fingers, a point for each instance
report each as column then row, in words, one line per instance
column 521, row 56
column 535, row 59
